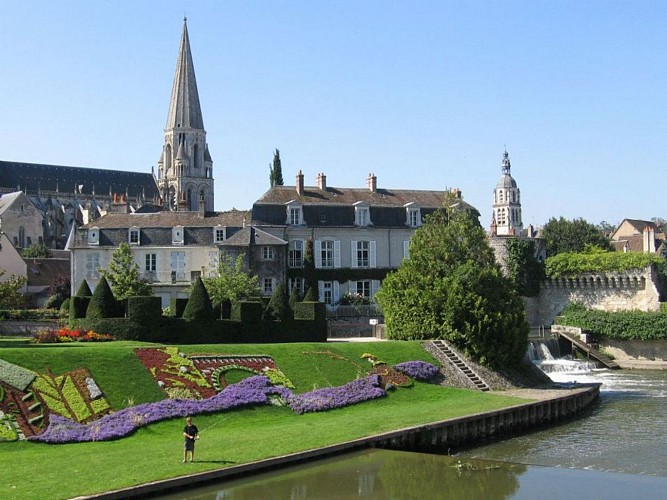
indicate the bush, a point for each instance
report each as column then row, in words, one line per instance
column 199, row 307
column 144, row 309
column 78, row 307
column 84, row 290
column 247, row 311
column 572, row 264
column 311, row 295
column 279, row 307
column 622, row 325
column 28, row 314
column 102, row 304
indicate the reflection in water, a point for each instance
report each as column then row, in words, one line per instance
column 374, row 474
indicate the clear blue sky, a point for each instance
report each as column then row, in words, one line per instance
column 426, row 95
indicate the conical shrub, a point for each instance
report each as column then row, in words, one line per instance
column 102, row 304
column 278, row 308
column 84, row 290
column 199, row 305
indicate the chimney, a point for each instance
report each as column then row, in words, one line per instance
column 372, row 183
column 648, row 238
column 299, row 183
column 456, row 192
column 322, row 181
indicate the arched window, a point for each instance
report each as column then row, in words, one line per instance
column 195, row 156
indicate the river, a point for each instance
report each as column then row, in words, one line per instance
column 617, row 451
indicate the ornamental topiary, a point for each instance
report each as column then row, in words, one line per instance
column 84, row 290
column 279, row 307
column 199, row 305
column 102, row 304
column 311, row 295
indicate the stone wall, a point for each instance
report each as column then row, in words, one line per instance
column 631, row 290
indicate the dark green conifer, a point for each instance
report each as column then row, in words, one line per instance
column 199, row 307
column 102, row 304
column 84, row 290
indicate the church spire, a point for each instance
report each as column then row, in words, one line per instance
column 184, row 108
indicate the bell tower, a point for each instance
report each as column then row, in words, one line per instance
column 506, row 203
column 185, row 167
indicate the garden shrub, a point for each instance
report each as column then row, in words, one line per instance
column 84, row 290
column 102, row 304
column 64, row 307
column 199, row 307
column 621, row 325
column 572, row 264
column 278, row 307
column 311, row 295
column 78, row 307
column 247, row 311
column 28, row 314
column 177, row 306
column 144, row 309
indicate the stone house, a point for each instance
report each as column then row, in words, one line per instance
column 20, row 220
column 634, row 235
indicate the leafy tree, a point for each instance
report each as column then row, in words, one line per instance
column 102, row 304
column 276, row 171
column 231, row 283
column 36, row 252
column 124, row 276
column 572, row 236
column 59, row 290
column 84, row 290
column 199, row 307
column 451, row 287
column 11, row 296
column 279, row 306
column 524, row 269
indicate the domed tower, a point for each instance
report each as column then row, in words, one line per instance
column 185, row 168
column 506, row 203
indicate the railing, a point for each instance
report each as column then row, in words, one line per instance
column 353, row 311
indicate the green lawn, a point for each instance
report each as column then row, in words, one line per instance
column 32, row 470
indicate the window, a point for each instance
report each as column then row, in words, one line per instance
column 501, row 217
column 92, row 265
column 151, row 262
column 327, row 293
column 406, row 249
column 413, row 217
column 267, row 253
column 297, row 283
column 177, row 266
column 219, row 234
column 294, row 215
column 362, row 288
column 295, row 257
column 500, row 195
column 267, row 285
column 177, row 235
column 213, row 257
column 362, row 216
column 327, row 253
column 134, row 236
column 93, row 236
column 362, row 254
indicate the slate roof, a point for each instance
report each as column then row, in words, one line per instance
column 32, row 177
column 251, row 235
column 233, row 218
column 41, row 272
column 7, row 199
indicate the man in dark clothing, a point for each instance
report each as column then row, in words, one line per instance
column 191, row 433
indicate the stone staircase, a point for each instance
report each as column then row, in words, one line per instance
column 459, row 363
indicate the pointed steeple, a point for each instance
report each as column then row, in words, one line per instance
column 184, row 108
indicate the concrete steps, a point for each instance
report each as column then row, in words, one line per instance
column 459, row 363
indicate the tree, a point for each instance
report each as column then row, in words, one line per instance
column 199, row 307
column 523, row 268
column 36, row 252
column 102, row 304
column 231, row 283
column 276, row 170
column 279, row 305
column 124, row 276
column 11, row 296
column 451, row 287
column 572, row 236
column 59, row 290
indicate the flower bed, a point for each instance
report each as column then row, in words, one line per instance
column 418, row 370
column 66, row 335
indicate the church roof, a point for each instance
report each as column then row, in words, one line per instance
column 506, row 180
column 184, row 108
column 32, row 177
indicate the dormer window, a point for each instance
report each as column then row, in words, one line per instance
column 413, row 215
column 177, row 235
column 294, row 214
column 94, row 236
column 134, row 236
column 362, row 215
column 219, row 234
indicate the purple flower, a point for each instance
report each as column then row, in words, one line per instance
column 328, row 398
column 418, row 370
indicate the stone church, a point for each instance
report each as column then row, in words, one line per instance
column 67, row 196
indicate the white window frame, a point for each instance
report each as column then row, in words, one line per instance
column 365, row 288
column 178, row 235
column 292, row 249
column 177, row 263
column 406, row 249
column 356, row 255
column 134, row 236
column 299, row 283
column 94, row 236
column 150, row 263
column 268, row 290
column 92, row 265
column 362, row 214
column 318, row 254
column 219, row 234
column 294, row 214
column 334, row 287
column 326, row 253
column 268, row 253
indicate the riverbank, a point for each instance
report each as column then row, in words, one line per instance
column 551, row 405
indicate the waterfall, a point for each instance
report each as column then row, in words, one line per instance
column 545, row 354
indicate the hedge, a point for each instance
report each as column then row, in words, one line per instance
column 78, row 307
column 572, row 264
column 28, row 314
column 144, row 309
column 622, row 325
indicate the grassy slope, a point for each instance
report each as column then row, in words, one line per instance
column 32, row 470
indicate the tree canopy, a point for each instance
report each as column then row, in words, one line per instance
column 276, row 170
column 124, row 276
column 571, row 236
column 451, row 287
column 231, row 283
column 11, row 296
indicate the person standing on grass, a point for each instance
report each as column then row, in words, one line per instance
column 190, row 433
